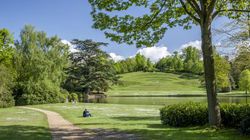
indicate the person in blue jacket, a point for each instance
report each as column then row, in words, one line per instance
column 86, row 113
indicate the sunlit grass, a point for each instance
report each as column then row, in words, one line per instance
column 142, row 120
column 23, row 124
column 157, row 83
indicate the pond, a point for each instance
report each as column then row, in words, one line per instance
column 167, row 100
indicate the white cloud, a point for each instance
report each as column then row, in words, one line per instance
column 154, row 53
column 218, row 44
column 196, row 44
column 116, row 57
column 71, row 47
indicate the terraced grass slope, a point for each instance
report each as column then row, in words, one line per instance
column 157, row 83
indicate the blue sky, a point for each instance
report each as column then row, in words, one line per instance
column 71, row 19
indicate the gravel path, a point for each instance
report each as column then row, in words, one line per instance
column 62, row 129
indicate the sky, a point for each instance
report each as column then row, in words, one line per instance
column 70, row 19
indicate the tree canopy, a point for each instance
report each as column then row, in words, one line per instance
column 91, row 69
column 7, row 73
column 245, row 80
column 149, row 28
column 39, row 62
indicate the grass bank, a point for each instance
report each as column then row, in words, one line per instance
column 23, row 124
column 149, row 84
column 142, row 120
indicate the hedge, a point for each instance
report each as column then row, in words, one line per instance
column 196, row 114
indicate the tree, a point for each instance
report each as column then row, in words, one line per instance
column 236, row 32
column 245, row 80
column 178, row 64
column 91, row 68
column 6, row 69
column 148, row 29
column 39, row 62
column 172, row 63
column 141, row 62
column 192, row 60
column 240, row 62
column 222, row 72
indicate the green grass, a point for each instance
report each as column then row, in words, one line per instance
column 156, row 83
column 160, row 84
column 142, row 120
column 23, row 124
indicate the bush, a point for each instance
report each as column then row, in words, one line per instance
column 6, row 84
column 196, row 114
column 73, row 97
column 6, row 99
column 233, row 114
column 184, row 114
column 41, row 92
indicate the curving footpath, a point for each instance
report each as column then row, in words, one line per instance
column 62, row 129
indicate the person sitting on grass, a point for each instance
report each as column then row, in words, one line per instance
column 86, row 113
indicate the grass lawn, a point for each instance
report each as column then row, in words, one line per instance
column 159, row 83
column 156, row 83
column 142, row 120
column 22, row 124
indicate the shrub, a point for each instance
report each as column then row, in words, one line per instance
column 196, row 114
column 73, row 97
column 41, row 92
column 184, row 114
column 6, row 83
column 233, row 114
column 245, row 126
column 6, row 99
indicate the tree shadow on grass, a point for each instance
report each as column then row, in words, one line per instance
column 136, row 118
column 188, row 76
column 20, row 132
column 159, row 131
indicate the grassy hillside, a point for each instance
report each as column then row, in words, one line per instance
column 156, row 83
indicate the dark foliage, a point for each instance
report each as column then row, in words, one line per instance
column 195, row 114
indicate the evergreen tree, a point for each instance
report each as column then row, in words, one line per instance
column 91, row 69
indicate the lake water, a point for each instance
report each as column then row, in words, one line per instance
column 167, row 100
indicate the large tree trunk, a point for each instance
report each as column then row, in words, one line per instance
column 208, row 59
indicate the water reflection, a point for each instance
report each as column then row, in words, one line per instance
column 165, row 100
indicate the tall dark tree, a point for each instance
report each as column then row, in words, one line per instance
column 148, row 29
column 91, row 69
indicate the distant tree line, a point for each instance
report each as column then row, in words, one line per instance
column 189, row 60
column 133, row 64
